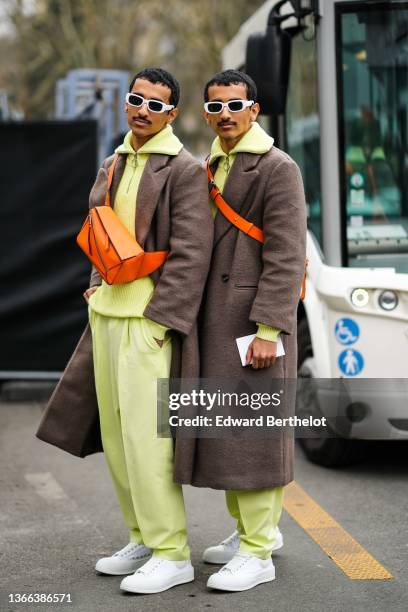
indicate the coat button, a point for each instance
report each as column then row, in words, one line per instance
column 225, row 278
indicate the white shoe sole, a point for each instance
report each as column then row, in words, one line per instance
column 221, row 558
column 218, row 558
column 146, row 591
column 261, row 579
column 278, row 546
column 108, row 572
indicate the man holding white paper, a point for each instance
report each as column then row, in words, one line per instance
column 254, row 286
column 244, row 343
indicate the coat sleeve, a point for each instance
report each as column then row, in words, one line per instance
column 95, row 278
column 178, row 293
column 284, row 249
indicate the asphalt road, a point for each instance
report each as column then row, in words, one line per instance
column 58, row 514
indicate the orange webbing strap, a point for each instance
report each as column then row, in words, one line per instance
column 110, row 177
column 303, row 287
column 240, row 222
column 229, row 213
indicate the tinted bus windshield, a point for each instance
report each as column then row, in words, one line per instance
column 373, row 87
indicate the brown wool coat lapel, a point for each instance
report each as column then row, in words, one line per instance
column 151, row 184
column 98, row 191
column 153, row 179
column 239, row 182
column 117, row 176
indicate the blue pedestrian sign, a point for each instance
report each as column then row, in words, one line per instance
column 351, row 362
column 347, row 331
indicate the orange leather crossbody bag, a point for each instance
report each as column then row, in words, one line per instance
column 111, row 247
column 240, row 222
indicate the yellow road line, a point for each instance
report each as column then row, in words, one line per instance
column 344, row 550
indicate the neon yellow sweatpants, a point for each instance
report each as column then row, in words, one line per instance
column 257, row 513
column 127, row 362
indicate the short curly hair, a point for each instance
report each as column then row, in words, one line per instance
column 159, row 75
column 232, row 77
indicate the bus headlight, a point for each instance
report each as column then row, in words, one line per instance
column 360, row 297
column 388, row 300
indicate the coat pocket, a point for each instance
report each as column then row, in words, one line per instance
column 151, row 331
column 246, row 285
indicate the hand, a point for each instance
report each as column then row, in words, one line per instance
column 87, row 294
column 263, row 353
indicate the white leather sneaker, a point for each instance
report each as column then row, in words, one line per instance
column 242, row 573
column 158, row 575
column 125, row 561
column 222, row 553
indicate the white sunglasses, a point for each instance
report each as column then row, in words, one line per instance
column 234, row 106
column 155, row 106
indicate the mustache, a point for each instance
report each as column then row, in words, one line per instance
column 141, row 119
column 224, row 122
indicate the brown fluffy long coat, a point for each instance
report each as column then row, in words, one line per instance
column 172, row 214
column 249, row 283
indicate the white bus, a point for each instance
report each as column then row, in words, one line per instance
column 333, row 88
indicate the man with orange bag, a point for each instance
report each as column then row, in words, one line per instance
column 144, row 330
column 159, row 193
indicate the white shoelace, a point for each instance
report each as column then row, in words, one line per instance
column 232, row 541
column 150, row 567
column 236, row 563
column 130, row 551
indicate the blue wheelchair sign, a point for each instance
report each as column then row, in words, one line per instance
column 346, row 331
column 351, row 362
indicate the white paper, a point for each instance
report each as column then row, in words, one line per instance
column 244, row 341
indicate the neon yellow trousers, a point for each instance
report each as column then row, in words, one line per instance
column 257, row 513
column 127, row 362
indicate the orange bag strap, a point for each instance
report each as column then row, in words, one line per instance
column 240, row 222
column 110, row 178
column 303, row 287
column 229, row 213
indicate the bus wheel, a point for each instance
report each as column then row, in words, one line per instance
column 327, row 451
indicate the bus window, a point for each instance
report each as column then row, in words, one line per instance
column 373, row 88
column 302, row 126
